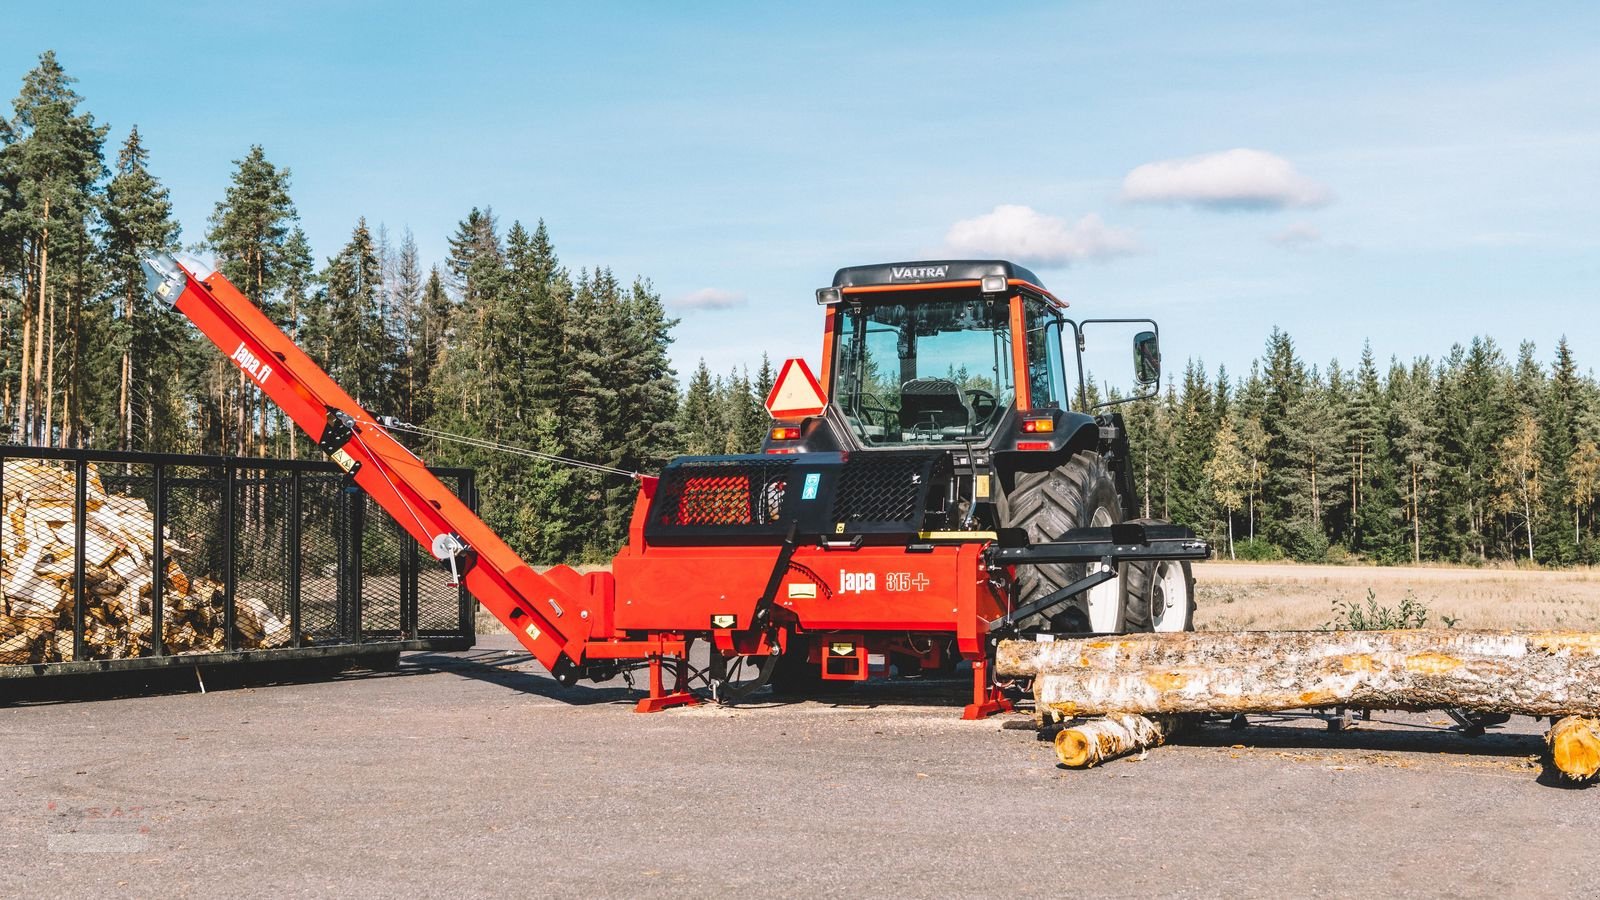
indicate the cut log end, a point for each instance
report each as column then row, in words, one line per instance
column 1575, row 747
column 1092, row 742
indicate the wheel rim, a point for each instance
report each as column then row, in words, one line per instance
column 1169, row 600
column 1105, row 600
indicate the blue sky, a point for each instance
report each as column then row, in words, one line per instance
column 1412, row 173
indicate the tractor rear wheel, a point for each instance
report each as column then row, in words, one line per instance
column 1079, row 493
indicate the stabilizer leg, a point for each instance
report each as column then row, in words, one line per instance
column 986, row 698
column 659, row 698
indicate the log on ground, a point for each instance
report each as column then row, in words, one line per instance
column 1575, row 747
column 1538, row 673
column 1083, row 745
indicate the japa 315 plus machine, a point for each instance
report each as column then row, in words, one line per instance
column 930, row 493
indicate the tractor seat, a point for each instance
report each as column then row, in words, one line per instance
column 933, row 404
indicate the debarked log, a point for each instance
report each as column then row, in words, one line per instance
column 1536, row 673
column 1575, row 747
column 1082, row 745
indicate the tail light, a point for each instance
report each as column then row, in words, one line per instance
column 786, row 433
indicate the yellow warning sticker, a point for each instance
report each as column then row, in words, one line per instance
column 345, row 460
column 805, row 591
column 532, row 631
column 980, row 487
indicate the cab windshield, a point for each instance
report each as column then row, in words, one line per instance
column 937, row 371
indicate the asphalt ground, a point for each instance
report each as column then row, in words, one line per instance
column 474, row 774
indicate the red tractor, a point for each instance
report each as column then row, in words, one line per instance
column 931, row 493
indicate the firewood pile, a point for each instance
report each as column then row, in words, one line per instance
column 38, row 560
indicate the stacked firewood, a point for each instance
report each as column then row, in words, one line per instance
column 38, row 562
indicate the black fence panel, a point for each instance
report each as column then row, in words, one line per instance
column 126, row 560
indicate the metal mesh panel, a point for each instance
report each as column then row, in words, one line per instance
column 384, row 574
column 323, row 547
column 37, row 561
column 197, row 555
column 262, row 570
column 438, row 605
column 734, row 492
column 881, row 489
column 120, row 564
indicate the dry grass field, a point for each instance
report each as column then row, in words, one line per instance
column 1256, row 596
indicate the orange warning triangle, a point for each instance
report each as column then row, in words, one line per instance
column 796, row 394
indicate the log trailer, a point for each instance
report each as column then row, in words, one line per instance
column 929, row 494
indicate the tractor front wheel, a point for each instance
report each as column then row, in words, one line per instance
column 1160, row 596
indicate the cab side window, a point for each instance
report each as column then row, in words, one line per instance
column 1046, row 381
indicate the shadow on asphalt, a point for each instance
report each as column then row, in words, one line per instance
column 517, row 670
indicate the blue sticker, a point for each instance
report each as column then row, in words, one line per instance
column 809, row 491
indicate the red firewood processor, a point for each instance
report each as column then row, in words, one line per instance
column 930, row 493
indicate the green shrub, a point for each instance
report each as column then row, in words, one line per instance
column 1256, row 550
column 1303, row 542
column 1372, row 616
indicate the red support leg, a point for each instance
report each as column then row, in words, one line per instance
column 986, row 698
column 659, row 699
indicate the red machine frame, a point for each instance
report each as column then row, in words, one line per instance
column 656, row 600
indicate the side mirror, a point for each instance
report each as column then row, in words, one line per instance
column 1146, row 358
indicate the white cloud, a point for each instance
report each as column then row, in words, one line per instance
column 1300, row 234
column 710, row 299
column 1025, row 235
column 1233, row 179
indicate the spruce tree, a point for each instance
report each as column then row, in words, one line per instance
column 251, row 236
column 698, row 419
column 1559, row 413
column 359, row 349
column 138, row 223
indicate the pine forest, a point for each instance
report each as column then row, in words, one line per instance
column 1483, row 454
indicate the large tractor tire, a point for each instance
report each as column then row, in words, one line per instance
column 1079, row 493
column 1160, row 595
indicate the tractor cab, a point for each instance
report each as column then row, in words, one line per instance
column 963, row 354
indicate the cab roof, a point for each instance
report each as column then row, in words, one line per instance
column 931, row 271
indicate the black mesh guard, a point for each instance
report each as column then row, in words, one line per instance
column 880, row 495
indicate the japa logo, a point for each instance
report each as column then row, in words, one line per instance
column 857, row 582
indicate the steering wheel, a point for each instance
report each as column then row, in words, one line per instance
column 982, row 402
column 876, row 406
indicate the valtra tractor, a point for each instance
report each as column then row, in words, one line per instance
column 931, row 492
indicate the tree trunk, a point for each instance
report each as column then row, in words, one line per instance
column 41, row 394
column 24, row 382
column 49, row 384
column 1527, row 518
column 1574, row 744
column 1539, row 673
column 1416, row 520
column 1255, row 479
column 1084, row 745
column 1230, row 535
